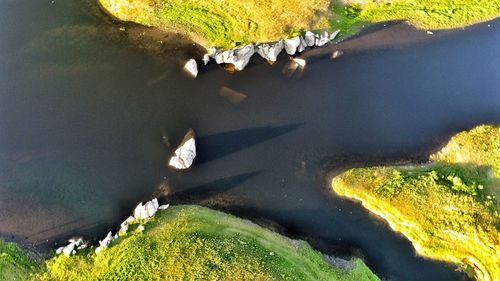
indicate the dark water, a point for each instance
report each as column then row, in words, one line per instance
column 83, row 107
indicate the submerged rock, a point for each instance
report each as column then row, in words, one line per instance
column 191, row 67
column 270, row 51
column 291, row 45
column 185, row 153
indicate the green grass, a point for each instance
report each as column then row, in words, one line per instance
column 424, row 14
column 15, row 263
column 196, row 243
column 225, row 23
column 447, row 209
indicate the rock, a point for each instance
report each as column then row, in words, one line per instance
column 270, row 51
column 334, row 34
column 138, row 210
column 309, row 38
column 103, row 244
column 337, row 54
column 322, row 39
column 69, row 249
column 164, row 207
column 140, row 228
column 302, row 46
column 300, row 62
column 239, row 57
column 291, row 45
column 206, row 59
column 74, row 243
column 185, row 153
column 430, row 32
column 191, row 68
column 232, row 96
column 149, row 210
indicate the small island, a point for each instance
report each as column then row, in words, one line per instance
column 189, row 243
column 447, row 208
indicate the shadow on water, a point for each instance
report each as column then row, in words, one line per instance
column 215, row 146
column 210, row 189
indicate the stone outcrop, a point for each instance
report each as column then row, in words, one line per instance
column 239, row 57
column 70, row 249
column 270, row 51
column 186, row 152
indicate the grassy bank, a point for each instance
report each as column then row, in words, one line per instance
column 424, row 14
column 447, row 209
column 196, row 243
column 15, row 263
column 225, row 23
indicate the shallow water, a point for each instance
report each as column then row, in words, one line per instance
column 83, row 107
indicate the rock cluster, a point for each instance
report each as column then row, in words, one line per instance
column 142, row 213
column 70, row 249
column 239, row 57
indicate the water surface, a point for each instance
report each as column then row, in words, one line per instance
column 83, row 107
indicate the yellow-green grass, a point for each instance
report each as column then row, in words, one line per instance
column 15, row 263
column 225, row 23
column 196, row 243
column 425, row 14
column 447, row 209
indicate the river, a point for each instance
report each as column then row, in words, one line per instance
column 84, row 106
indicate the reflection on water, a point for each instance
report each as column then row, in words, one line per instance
column 84, row 106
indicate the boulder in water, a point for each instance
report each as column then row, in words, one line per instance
column 185, row 153
column 191, row 68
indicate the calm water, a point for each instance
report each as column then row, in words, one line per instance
column 83, row 107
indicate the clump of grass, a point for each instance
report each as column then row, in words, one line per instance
column 196, row 243
column 225, row 23
column 15, row 264
column 428, row 14
column 447, row 209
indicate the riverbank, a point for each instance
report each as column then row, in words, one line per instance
column 191, row 242
column 448, row 209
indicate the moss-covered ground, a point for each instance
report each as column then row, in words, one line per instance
column 192, row 243
column 448, row 208
column 15, row 264
column 231, row 23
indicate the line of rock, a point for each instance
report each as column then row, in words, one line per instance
column 239, row 57
column 142, row 213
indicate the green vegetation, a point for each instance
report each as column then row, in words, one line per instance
column 196, row 243
column 424, row 14
column 226, row 23
column 447, row 209
column 14, row 263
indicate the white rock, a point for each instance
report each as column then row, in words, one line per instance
column 185, row 153
column 68, row 250
column 239, row 57
column 291, row 45
column 302, row 46
column 191, row 67
column 138, row 211
column 103, row 244
column 270, row 51
column 334, row 34
column 206, row 59
column 141, row 228
column 149, row 210
column 164, row 207
column 309, row 38
column 211, row 52
column 322, row 39
column 59, row 250
column 300, row 62
column 430, row 32
column 155, row 203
